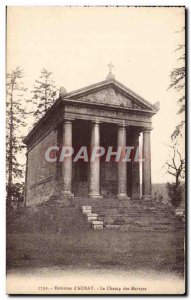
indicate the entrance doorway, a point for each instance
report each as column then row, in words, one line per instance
column 81, row 137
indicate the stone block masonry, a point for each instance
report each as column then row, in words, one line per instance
column 40, row 179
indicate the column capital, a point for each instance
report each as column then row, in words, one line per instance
column 96, row 122
column 147, row 130
column 122, row 125
column 68, row 120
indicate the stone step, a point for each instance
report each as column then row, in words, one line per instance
column 120, row 222
column 86, row 207
column 142, row 218
column 98, row 225
column 136, row 220
column 90, row 219
column 132, row 206
column 111, row 226
column 86, row 211
column 133, row 217
column 138, row 223
column 92, row 215
column 97, row 222
column 127, row 214
column 126, row 211
column 147, row 217
column 144, row 229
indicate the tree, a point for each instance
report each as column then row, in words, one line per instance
column 15, row 121
column 17, row 194
column 176, row 168
column 177, row 79
column 44, row 94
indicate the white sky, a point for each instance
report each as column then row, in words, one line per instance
column 76, row 44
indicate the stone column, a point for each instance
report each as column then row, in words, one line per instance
column 122, row 165
column 135, row 174
column 58, row 182
column 67, row 162
column 146, row 165
column 94, row 175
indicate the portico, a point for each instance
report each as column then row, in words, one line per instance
column 91, row 178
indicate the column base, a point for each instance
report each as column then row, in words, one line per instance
column 95, row 196
column 67, row 194
column 123, row 196
column 146, row 197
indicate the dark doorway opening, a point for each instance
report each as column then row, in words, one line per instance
column 81, row 138
column 108, row 176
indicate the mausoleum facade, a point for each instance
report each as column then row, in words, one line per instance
column 105, row 114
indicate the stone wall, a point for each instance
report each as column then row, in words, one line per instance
column 40, row 173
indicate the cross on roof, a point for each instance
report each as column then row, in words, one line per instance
column 110, row 75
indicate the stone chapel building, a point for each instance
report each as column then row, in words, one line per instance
column 105, row 114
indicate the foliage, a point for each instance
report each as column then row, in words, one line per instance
column 15, row 121
column 175, row 193
column 17, row 192
column 177, row 82
column 44, row 94
column 176, row 168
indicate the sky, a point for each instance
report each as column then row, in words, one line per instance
column 76, row 44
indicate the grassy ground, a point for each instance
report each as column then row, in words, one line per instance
column 45, row 237
column 104, row 249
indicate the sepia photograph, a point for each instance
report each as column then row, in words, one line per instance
column 95, row 150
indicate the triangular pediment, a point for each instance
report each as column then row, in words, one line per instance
column 113, row 93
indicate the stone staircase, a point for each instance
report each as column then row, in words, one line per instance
column 135, row 215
